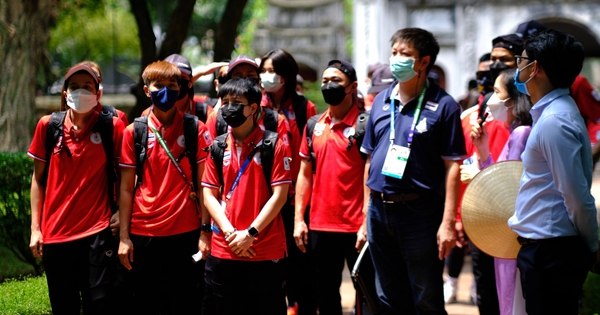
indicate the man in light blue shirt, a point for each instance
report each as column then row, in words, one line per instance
column 555, row 214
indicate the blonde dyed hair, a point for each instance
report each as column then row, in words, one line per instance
column 160, row 70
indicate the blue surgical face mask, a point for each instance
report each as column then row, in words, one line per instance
column 522, row 86
column 164, row 99
column 402, row 68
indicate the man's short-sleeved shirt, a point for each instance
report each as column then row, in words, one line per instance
column 76, row 201
column 250, row 195
column 438, row 136
column 162, row 205
column 338, row 184
column 296, row 134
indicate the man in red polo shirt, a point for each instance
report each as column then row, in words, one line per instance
column 244, row 264
column 160, row 218
column 337, row 223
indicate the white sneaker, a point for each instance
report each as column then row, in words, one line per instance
column 450, row 289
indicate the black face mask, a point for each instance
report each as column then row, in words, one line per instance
column 233, row 114
column 496, row 68
column 185, row 90
column 333, row 93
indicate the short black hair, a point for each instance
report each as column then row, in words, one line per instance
column 423, row 41
column 485, row 57
column 559, row 54
column 521, row 101
column 245, row 87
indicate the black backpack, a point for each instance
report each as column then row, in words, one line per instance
column 359, row 134
column 140, row 140
column 270, row 121
column 299, row 106
column 267, row 153
column 104, row 126
column 201, row 108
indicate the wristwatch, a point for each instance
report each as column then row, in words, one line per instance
column 206, row 228
column 253, row 231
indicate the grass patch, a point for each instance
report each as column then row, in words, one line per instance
column 26, row 297
column 11, row 267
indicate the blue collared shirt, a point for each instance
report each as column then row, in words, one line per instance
column 438, row 136
column 554, row 199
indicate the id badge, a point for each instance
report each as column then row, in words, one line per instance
column 395, row 161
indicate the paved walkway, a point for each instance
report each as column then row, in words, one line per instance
column 462, row 307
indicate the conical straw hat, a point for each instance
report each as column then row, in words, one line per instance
column 488, row 203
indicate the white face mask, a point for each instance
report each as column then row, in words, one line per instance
column 81, row 101
column 497, row 107
column 271, row 82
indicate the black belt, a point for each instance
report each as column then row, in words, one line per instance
column 525, row 241
column 391, row 198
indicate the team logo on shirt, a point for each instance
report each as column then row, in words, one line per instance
column 291, row 115
column 151, row 140
column 286, row 163
column 226, row 158
column 181, row 141
column 207, row 137
column 285, row 140
column 422, row 126
column 349, row 131
column 95, row 138
column 319, row 127
column 386, row 107
column 431, row 106
column 256, row 158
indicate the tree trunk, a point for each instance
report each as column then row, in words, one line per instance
column 174, row 38
column 24, row 33
column 227, row 30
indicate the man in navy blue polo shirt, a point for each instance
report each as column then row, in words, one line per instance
column 415, row 141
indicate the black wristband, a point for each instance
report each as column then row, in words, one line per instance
column 206, row 228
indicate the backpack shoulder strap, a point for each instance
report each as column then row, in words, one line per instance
column 359, row 132
column 104, row 126
column 211, row 101
column 221, row 125
column 217, row 150
column 201, row 111
column 299, row 104
column 310, row 128
column 53, row 133
column 140, row 140
column 111, row 110
column 267, row 155
column 270, row 119
column 190, row 134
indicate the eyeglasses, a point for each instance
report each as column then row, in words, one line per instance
column 520, row 58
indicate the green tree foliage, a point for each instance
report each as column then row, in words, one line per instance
column 97, row 31
column 16, row 170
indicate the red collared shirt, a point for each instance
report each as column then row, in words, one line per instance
column 76, row 201
column 162, row 205
column 338, row 184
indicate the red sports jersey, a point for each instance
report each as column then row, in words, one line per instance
column 296, row 134
column 76, row 201
column 587, row 99
column 250, row 195
column 162, row 205
column 337, row 191
column 121, row 115
column 191, row 110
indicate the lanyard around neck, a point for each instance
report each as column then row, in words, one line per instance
column 415, row 119
column 242, row 170
column 177, row 166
